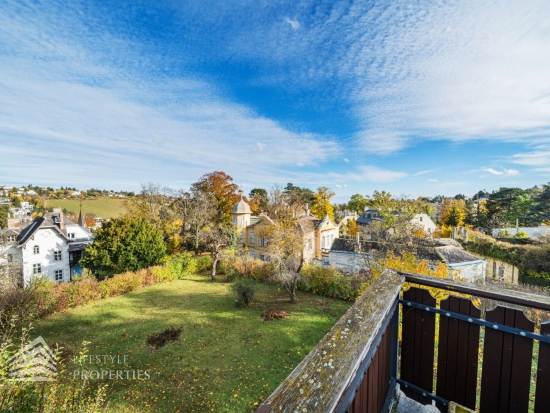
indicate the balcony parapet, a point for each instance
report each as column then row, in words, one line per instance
column 320, row 382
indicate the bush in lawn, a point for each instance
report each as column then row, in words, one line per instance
column 244, row 289
column 183, row 264
column 329, row 282
column 204, row 263
column 521, row 234
column 124, row 283
column 232, row 274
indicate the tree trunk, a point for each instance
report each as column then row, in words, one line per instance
column 196, row 244
column 215, row 260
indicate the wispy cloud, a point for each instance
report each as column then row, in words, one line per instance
column 535, row 158
column 67, row 106
column 506, row 172
column 433, row 180
column 346, row 160
column 295, row 24
column 423, row 172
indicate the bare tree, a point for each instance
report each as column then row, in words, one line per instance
column 216, row 239
column 197, row 211
column 286, row 250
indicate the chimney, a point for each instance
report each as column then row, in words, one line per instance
column 62, row 222
column 307, row 209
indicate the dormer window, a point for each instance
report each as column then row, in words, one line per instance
column 11, row 238
column 36, row 249
column 70, row 235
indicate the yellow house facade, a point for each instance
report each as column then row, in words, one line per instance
column 319, row 234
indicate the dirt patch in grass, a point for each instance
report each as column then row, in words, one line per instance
column 274, row 314
column 160, row 339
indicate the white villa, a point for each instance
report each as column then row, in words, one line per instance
column 49, row 246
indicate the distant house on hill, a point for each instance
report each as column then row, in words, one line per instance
column 319, row 234
column 50, row 246
column 421, row 219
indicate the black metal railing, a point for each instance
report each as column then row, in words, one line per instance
column 450, row 351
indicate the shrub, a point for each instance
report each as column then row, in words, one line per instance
column 203, row 263
column 244, row 289
column 330, row 282
column 522, row 234
column 231, row 275
column 183, row 264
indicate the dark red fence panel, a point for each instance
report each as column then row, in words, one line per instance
column 457, row 358
column 372, row 392
column 507, row 359
column 417, row 345
column 542, row 398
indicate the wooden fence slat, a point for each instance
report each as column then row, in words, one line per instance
column 374, row 387
column 458, row 354
column 417, row 345
column 506, row 370
column 542, row 398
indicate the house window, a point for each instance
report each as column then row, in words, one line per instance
column 252, row 254
column 70, row 235
column 323, row 242
column 252, row 238
column 57, row 256
column 331, row 239
column 262, row 242
column 37, row 268
column 267, row 258
column 11, row 238
column 309, row 244
column 262, row 257
column 58, row 275
column 234, row 221
column 10, row 257
column 240, row 221
column 36, row 249
column 420, row 219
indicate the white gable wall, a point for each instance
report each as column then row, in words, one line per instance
column 48, row 240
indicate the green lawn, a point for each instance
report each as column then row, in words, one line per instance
column 102, row 207
column 227, row 359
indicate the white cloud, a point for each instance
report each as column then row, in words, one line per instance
column 66, row 97
column 295, row 24
column 369, row 173
column 346, row 160
column 459, row 71
column 535, row 158
column 506, row 172
column 433, row 180
column 338, row 186
column 260, row 146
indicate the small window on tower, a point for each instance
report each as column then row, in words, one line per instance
column 36, row 249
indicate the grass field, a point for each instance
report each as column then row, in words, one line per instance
column 102, row 207
column 226, row 360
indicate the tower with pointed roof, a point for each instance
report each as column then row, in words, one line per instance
column 241, row 213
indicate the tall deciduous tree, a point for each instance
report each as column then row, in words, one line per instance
column 321, row 203
column 124, row 244
column 357, row 203
column 223, row 191
column 453, row 212
column 196, row 211
column 258, row 200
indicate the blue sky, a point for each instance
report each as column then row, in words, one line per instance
column 440, row 97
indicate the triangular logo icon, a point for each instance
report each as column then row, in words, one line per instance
column 33, row 362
